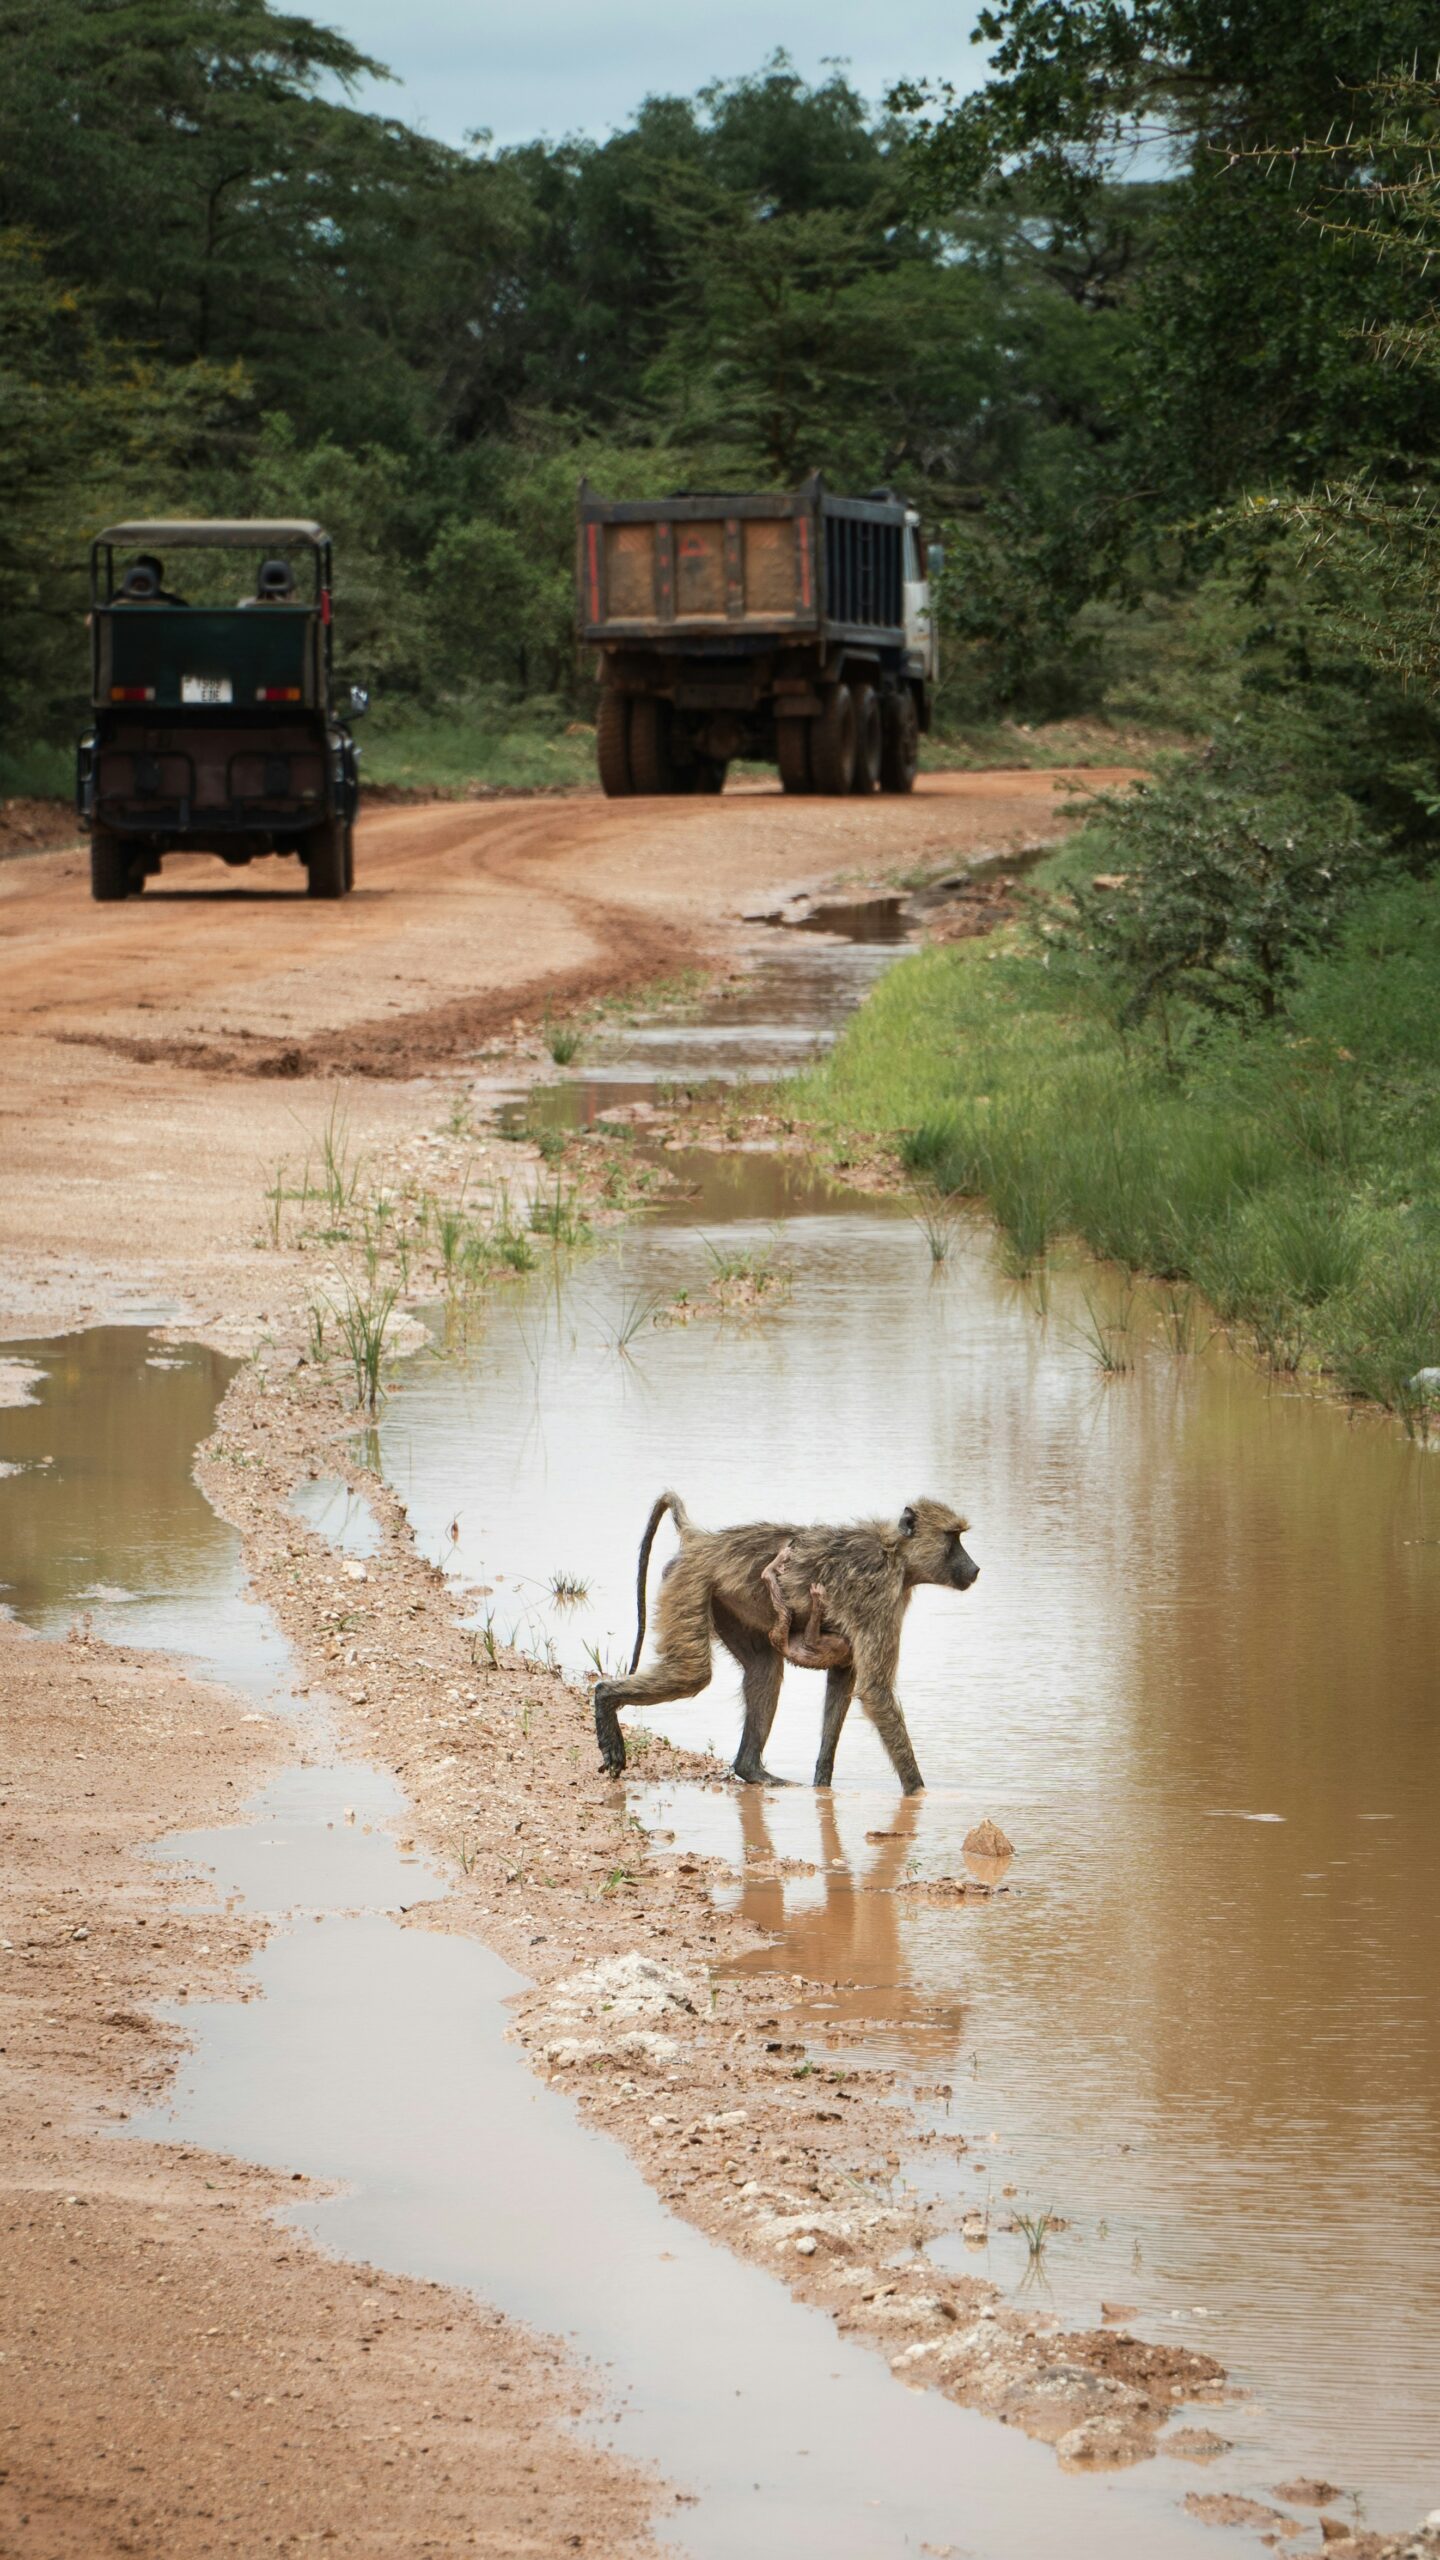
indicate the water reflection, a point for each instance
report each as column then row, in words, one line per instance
column 843, row 1933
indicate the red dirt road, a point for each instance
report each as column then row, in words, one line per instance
column 161, row 1057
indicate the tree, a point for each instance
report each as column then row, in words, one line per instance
column 87, row 431
column 1247, row 359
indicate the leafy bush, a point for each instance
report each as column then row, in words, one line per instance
column 1222, row 875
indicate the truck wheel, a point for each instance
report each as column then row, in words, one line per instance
column 792, row 754
column 709, row 773
column 900, row 743
column 832, row 742
column 612, row 744
column 349, row 855
column 867, row 737
column 652, row 766
column 109, row 867
column 325, row 863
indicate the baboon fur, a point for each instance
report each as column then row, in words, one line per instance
column 716, row 1586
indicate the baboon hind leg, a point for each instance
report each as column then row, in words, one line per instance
column 682, row 1671
column 839, row 1690
column 762, row 1670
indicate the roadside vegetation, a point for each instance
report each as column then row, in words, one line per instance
column 1290, row 1169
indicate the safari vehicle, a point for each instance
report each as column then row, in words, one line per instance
column 792, row 627
column 214, row 727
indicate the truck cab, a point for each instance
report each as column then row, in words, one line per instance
column 213, row 722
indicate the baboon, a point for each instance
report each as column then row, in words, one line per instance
column 718, row 1585
column 813, row 1650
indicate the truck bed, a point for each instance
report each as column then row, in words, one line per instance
column 741, row 569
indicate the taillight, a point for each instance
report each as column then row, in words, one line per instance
column 132, row 693
column 278, row 693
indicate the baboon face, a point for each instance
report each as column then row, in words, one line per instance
column 934, row 1548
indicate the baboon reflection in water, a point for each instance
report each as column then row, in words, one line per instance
column 729, row 1582
column 856, row 1945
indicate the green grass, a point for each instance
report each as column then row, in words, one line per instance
column 504, row 746
column 1293, row 1175
column 38, row 773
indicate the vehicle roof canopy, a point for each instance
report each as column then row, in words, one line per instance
column 217, row 533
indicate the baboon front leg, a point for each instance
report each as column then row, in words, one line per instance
column 875, row 1679
column 762, row 1669
column 839, row 1690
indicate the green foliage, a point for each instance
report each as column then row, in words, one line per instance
column 1290, row 1173
column 1217, row 879
column 84, row 426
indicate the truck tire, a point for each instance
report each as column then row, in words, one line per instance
column 325, row 862
column 109, row 867
column 900, row 742
column 832, row 742
column 612, row 744
column 867, row 737
column 710, row 773
column 652, row 766
column 349, row 855
column 792, row 754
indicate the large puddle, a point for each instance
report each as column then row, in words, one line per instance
column 1196, row 1683
column 376, row 2060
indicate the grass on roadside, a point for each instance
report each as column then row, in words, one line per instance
column 1292, row 1175
column 487, row 740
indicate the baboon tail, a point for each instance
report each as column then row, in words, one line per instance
column 665, row 1502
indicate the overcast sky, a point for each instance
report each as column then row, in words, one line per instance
column 582, row 66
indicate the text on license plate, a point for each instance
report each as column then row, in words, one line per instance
column 206, row 689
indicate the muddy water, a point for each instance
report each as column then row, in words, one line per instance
column 378, row 2057
column 1196, row 1683
column 377, row 2060
column 100, row 1516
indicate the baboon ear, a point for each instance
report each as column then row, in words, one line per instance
column 907, row 1521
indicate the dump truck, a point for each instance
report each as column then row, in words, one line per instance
column 793, row 628
column 214, row 726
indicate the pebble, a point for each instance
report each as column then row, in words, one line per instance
column 805, row 2247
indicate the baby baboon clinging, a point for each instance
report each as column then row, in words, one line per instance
column 812, row 1650
column 723, row 1583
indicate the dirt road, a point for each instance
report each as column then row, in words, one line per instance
column 161, row 1058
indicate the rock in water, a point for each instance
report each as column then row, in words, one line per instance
column 987, row 1840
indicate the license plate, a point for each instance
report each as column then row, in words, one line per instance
column 206, row 689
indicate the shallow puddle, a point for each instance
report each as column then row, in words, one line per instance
column 336, row 1513
column 101, row 1518
column 378, row 2058
column 1197, row 1686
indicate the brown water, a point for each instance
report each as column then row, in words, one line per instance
column 377, row 2060
column 1198, row 1684
column 100, row 1516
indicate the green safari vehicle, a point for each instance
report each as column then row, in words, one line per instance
column 214, row 727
